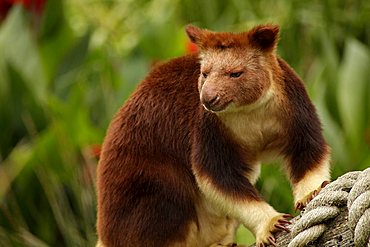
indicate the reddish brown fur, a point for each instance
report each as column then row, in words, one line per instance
column 145, row 185
column 263, row 37
column 162, row 141
column 304, row 153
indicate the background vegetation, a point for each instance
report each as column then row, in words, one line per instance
column 67, row 66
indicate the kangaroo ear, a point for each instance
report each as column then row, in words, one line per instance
column 194, row 33
column 264, row 37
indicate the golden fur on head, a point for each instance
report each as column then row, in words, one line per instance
column 237, row 69
column 264, row 37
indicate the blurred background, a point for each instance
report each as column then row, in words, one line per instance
column 67, row 66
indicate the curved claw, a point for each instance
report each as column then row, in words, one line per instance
column 288, row 216
column 282, row 227
column 272, row 241
column 326, row 182
column 315, row 193
column 299, row 206
column 284, row 222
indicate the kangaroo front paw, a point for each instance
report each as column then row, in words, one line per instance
column 278, row 223
column 305, row 199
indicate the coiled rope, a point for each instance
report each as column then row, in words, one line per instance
column 351, row 190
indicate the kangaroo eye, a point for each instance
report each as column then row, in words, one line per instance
column 236, row 74
column 204, row 75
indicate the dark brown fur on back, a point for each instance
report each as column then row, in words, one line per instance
column 306, row 145
column 145, row 186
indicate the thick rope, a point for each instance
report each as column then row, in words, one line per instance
column 351, row 190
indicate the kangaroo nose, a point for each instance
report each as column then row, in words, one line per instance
column 209, row 99
column 211, row 102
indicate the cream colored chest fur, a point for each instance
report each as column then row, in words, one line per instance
column 259, row 128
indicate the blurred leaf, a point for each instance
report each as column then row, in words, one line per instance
column 335, row 137
column 52, row 18
column 20, row 50
column 318, row 90
column 244, row 236
column 56, row 37
column 75, row 56
column 353, row 76
column 29, row 240
column 13, row 165
column 67, row 71
column 4, row 237
column 62, row 210
column 4, row 87
column 133, row 70
column 24, row 112
column 330, row 61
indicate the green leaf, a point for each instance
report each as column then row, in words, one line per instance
column 353, row 77
column 52, row 18
column 4, row 87
column 13, row 165
column 67, row 71
column 244, row 236
column 75, row 56
column 56, row 37
column 20, row 50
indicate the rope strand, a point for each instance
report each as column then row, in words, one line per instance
column 351, row 190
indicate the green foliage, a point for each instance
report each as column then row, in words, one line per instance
column 64, row 74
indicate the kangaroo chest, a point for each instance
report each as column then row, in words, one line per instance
column 260, row 131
